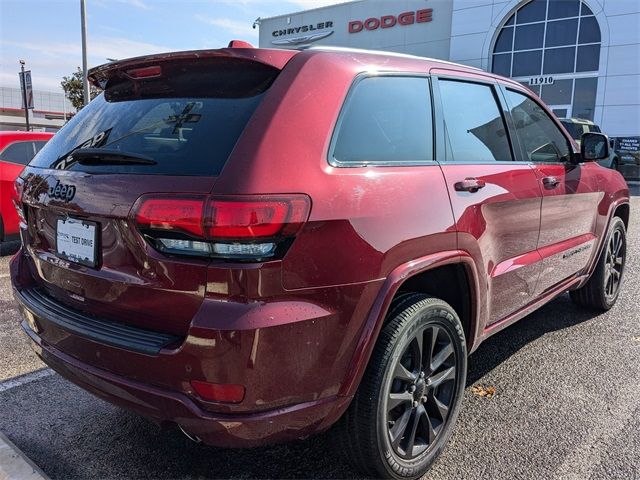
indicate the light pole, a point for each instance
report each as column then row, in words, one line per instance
column 23, row 82
column 85, row 79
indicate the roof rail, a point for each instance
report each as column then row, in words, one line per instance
column 329, row 48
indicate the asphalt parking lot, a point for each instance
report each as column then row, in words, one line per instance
column 567, row 405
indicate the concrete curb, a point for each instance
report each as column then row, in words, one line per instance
column 15, row 465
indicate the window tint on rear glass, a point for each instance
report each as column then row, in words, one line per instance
column 386, row 120
column 20, row 153
column 473, row 124
column 540, row 137
column 184, row 136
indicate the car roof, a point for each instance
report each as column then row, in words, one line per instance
column 386, row 54
column 278, row 58
column 21, row 134
column 581, row 121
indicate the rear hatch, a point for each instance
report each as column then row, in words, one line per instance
column 164, row 124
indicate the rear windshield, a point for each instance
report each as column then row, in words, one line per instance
column 183, row 135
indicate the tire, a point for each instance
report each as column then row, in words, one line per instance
column 364, row 435
column 603, row 288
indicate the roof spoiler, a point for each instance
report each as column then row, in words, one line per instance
column 147, row 64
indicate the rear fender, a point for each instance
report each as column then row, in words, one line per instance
column 378, row 312
column 613, row 206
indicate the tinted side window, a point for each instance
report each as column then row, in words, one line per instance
column 19, row 152
column 538, row 134
column 386, row 120
column 474, row 127
column 38, row 144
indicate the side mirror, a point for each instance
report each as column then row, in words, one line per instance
column 594, row 146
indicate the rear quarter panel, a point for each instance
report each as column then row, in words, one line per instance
column 615, row 192
column 365, row 221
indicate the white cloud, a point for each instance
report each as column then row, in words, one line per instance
column 259, row 7
column 243, row 29
column 136, row 3
column 100, row 48
column 141, row 4
column 307, row 4
column 299, row 3
column 51, row 62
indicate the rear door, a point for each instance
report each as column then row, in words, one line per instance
column 570, row 191
column 496, row 200
column 172, row 127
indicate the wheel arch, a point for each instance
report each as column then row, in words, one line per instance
column 623, row 211
column 619, row 208
column 453, row 268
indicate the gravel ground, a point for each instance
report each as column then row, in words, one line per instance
column 567, row 405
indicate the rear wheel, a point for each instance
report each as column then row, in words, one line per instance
column 603, row 288
column 408, row 400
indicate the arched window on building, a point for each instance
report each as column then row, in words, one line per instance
column 553, row 47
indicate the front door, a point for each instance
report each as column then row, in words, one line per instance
column 570, row 192
column 496, row 200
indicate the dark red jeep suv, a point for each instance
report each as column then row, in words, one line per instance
column 258, row 245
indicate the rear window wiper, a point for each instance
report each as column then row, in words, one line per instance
column 104, row 156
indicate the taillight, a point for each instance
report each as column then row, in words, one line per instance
column 260, row 217
column 232, row 227
column 16, row 198
column 177, row 214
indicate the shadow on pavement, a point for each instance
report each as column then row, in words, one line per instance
column 559, row 314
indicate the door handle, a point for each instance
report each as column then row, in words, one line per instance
column 550, row 182
column 471, row 185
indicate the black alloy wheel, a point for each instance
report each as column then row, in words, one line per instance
column 409, row 397
column 614, row 264
column 603, row 287
column 421, row 391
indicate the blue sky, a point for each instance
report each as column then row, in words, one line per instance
column 46, row 33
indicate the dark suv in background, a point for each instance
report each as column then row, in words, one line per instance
column 577, row 127
column 258, row 245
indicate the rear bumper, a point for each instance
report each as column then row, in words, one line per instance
column 162, row 405
column 291, row 351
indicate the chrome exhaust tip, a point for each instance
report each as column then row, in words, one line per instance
column 190, row 436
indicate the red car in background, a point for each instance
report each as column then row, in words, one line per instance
column 16, row 150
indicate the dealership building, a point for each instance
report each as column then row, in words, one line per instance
column 582, row 57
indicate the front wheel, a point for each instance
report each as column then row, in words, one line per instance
column 603, row 288
column 408, row 400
